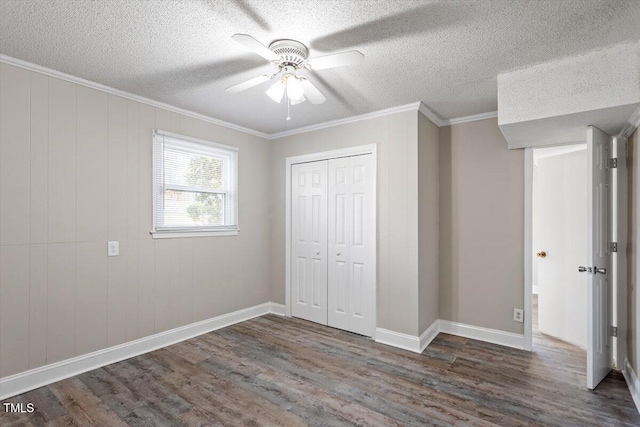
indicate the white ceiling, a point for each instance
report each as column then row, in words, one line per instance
column 446, row 54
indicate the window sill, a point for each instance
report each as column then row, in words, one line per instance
column 183, row 234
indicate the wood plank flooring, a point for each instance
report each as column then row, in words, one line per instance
column 277, row 371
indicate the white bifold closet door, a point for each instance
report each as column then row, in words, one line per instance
column 351, row 247
column 333, row 248
column 309, row 241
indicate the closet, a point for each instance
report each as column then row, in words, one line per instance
column 333, row 220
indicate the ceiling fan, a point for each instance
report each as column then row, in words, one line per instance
column 289, row 56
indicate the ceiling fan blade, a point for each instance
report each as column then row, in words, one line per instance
column 311, row 92
column 335, row 60
column 249, row 83
column 255, row 46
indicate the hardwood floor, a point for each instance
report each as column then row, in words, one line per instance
column 277, row 371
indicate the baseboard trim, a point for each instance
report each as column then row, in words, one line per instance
column 398, row 339
column 276, row 308
column 494, row 336
column 632, row 382
column 25, row 381
column 418, row 344
column 429, row 335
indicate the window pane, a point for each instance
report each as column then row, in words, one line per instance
column 189, row 169
column 195, row 184
column 191, row 209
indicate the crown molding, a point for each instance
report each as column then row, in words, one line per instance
column 435, row 119
column 414, row 106
column 419, row 106
column 331, row 123
column 472, row 118
column 77, row 80
column 632, row 124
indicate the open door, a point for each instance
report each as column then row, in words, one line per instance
column 599, row 346
column 560, row 242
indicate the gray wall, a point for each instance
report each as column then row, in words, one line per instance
column 633, row 254
column 396, row 136
column 428, row 222
column 75, row 172
column 481, row 226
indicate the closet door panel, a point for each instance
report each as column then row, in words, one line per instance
column 309, row 241
column 351, row 255
column 339, row 231
column 362, row 245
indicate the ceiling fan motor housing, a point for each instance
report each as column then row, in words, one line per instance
column 291, row 52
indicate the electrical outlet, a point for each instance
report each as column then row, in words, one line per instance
column 518, row 315
column 113, row 248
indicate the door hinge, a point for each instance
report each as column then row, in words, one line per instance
column 613, row 331
column 613, row 163
column 613, row 247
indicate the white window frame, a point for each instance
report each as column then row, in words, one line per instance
column 230, row 170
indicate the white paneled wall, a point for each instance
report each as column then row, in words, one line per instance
column 75, row 172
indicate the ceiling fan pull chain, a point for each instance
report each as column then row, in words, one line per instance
column 288, row 107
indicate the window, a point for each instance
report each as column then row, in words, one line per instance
column 195, row 187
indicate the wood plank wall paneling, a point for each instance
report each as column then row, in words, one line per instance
column 75, row 172
column 62, row 160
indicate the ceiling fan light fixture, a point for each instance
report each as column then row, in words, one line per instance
column 276, row 91
column 295, row 91
column 298, row 101
column 288, row 56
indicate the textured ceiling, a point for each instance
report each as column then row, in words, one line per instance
column 446, row 54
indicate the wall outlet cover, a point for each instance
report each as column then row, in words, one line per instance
column 113, row 248
column 518, row 315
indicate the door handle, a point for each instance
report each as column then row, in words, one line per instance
column 582, row 269
column 541, row 254
column 597, row 270
column 317, row 252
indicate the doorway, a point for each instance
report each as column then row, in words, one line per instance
column 559, row 224
column 331, row 238
column 603, row 266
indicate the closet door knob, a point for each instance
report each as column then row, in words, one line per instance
column 317, row 252
column 338, row 254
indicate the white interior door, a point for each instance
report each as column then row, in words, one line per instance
column 599, row 348
column 309, row 241
column 559, row 223
column 618, row 259
column 351, row 257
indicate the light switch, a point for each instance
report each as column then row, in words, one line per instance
column 113, row 248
